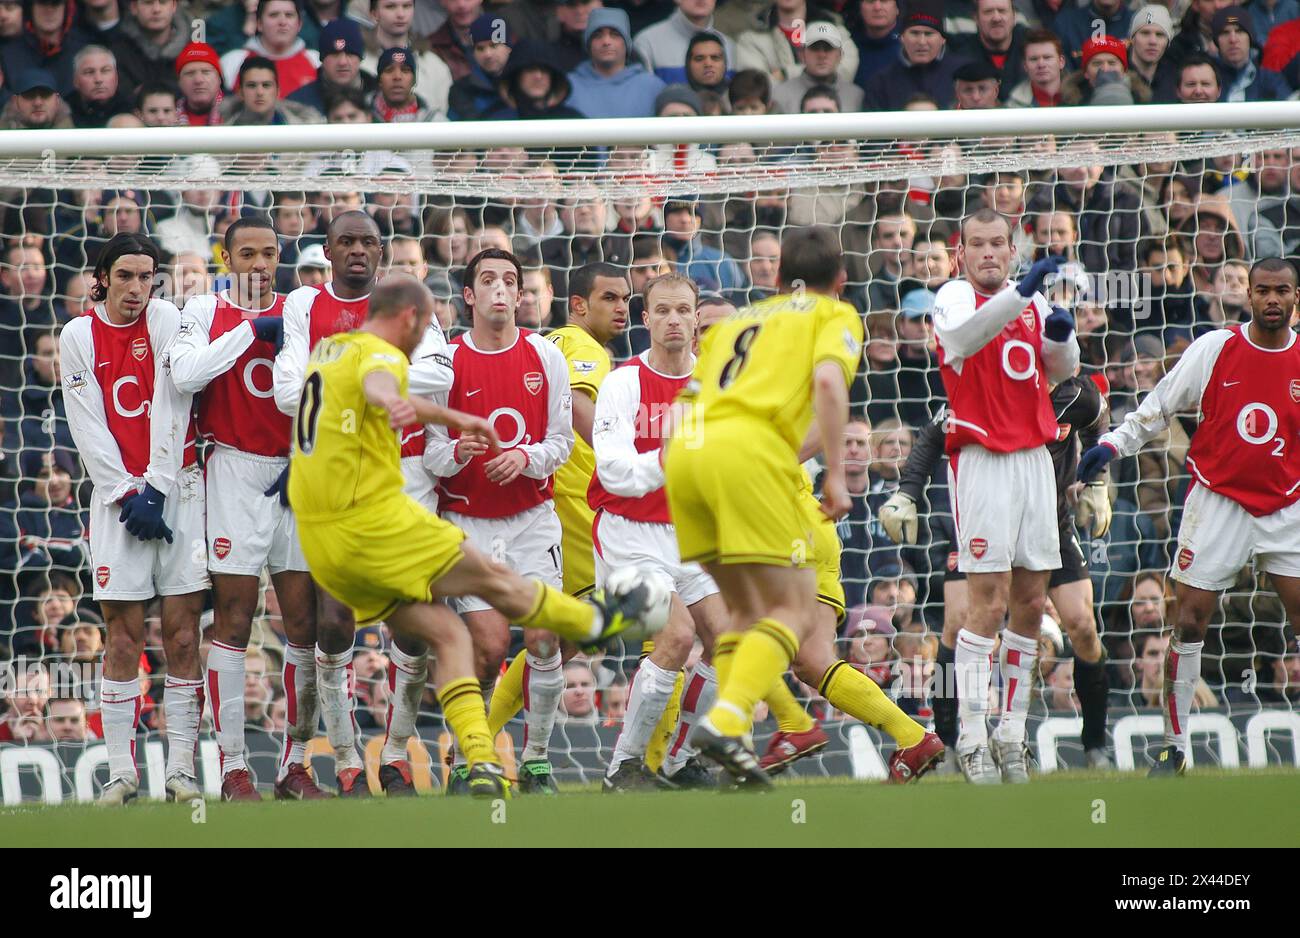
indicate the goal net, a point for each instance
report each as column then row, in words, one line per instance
column 1160, row 210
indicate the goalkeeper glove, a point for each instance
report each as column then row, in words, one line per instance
column 1093, row 511
column 898, row 518
column 142, row 515
column 1032, row 282
column 1094, row 461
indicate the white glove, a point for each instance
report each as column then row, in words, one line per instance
column 898, row 518
column 1093, row 510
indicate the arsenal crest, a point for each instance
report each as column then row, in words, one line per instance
column 978, row 547
column 533, row 381
column 139, row 349
column 1029, row 316
column 101, row 576
column 1185, row 558
column 221, row 547
column 952, row 561
column 1295, row 390
column 1062, row 432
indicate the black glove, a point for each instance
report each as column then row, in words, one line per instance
column 280, row 488
column 1058, row 326
column 1094, row 461
column 142, row 515
column 1032, row 281
column 269, row 329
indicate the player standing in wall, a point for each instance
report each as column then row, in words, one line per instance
column 1244, row 382
column 136, row 436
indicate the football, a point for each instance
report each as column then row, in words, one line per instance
column 626, row 579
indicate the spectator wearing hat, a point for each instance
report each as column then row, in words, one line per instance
column 679, row 101
column 707, row 66
column 341, row 50
column 1149, row 36
column 475, row 97
column 279, row 27
column 147, row 43
column 822, row 54
column 998, row 42
column 976, row 87
column 96, row 95
column 1044, row 67
column 918, row 374
column 923, row 66
column 777, row 45
column 869, row 637
column 48, row 41
column 198, row 74
column 36, row 103
column 312, row 268
column 561, row 25
column 1076, row 26
column 663, row 46
column 1195, row 35
column 532, row 86
column 452, row 41
column 895, row 586
column 611, row 83
column 258, row 101
column 1103, row 76
column 101, row 20
column 396, row 100
column 397, row 27
column 874, row 26
column 1240, row 74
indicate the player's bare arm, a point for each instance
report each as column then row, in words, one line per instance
column 382, row 391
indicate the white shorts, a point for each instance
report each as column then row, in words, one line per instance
column 246, row 529
column 1218, row 537
column 528, row 543
column 421, row 484
column 621, row 542
column 1004, row 506
column 130, row 569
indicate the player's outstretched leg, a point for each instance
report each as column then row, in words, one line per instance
column 182, row 692
column 406, row 681
column 1073, row 602
column 458, row 689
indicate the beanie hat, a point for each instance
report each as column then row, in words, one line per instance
column 1107, row 44
column 198, row 52
column 1153, row 15
column 398, row 55
column 924, row 13
column 341, row 35
column 612, row 18
column 679, row 94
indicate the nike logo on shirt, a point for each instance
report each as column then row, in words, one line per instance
column 472, row 393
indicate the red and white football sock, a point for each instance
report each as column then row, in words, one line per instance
column 1182, row 668
column 1017, row 659
column 119, row 703
column 182, row 708
column 336, row 683
column 302, row 704
column 699, row 691
column 652, row 687
column 543, row 688
column 974, row 671
column 226, row 698
column 406, row 682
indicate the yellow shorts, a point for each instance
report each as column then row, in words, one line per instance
column 576, row 519
column 732, row 497
column 377, row 557
column 826, row 551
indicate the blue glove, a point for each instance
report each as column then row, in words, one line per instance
column 269, row 329
column 280, row 488
column 1058, row 326
column 142, row 515
column 1094, row 461
column 1032, row 281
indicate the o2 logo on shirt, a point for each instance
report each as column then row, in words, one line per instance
column 142, row 405
column 250, row 385
column 1022, row 366
column 520, row 432
column 1257, row 425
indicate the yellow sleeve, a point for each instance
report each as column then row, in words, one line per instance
column 588, row 363
column 387, row 359
column 839, row 339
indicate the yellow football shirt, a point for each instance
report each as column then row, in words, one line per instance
column 588, row 365
column 759, row 363
column 345, row 455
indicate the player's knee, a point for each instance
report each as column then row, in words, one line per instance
column 122, row 647
column 490, row 652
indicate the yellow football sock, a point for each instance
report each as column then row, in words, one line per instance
column 848, row 689
column 562, row 614
column 724, row 647
column 763, row 654
column 657, row 751
column 790, row 715
column 508, row 698
column 462, row 708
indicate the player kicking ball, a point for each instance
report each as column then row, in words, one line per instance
column 733, row 480
column 1244, row 382
column 377, row 550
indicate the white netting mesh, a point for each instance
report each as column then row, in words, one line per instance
column 1160, row 225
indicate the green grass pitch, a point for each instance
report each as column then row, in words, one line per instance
column 1204, row 809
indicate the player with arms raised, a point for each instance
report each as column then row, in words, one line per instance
column 318, row 660
column 1244, row 381
column 134, row 432
column 519, row 382
column 1000, row 348
column 224, row 353
column 734, row 481
column 375, row 548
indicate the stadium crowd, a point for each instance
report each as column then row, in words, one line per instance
column 1188, row 230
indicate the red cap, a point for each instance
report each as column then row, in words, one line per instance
column 1109, row 44
column 198, row 52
